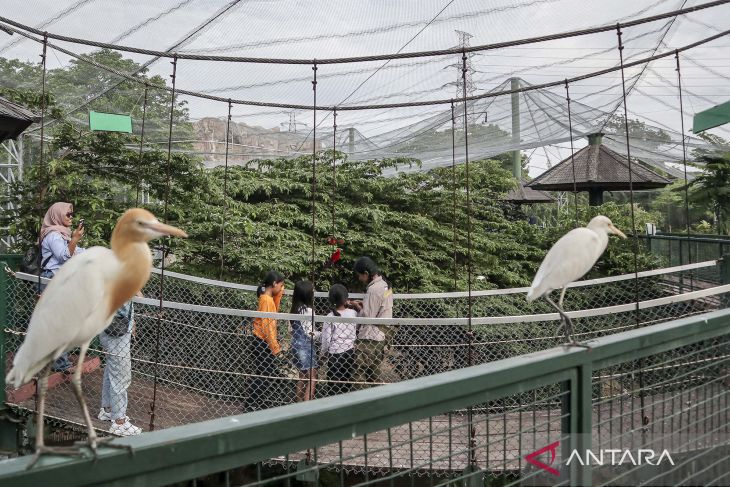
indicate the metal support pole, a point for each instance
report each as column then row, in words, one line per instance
column 225, row 191
column 572, row 153
column 164, row 251
column 453, row 176
column 470, row 419
column 41, row 170
column 314, row 205
column 684, row 161
column 516, row 154
column 351, row 140
column 645, row 419
column 334, row 171
column 141, row 144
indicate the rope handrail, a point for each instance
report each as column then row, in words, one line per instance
column 405, row 296
column 357, row 59
column 459, row 294
column 486, row 320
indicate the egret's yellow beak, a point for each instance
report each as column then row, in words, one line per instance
column 616, row 231
column 163, row 229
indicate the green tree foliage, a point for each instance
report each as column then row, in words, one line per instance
column 407, row 223
column 77, row 85
column 712, row 189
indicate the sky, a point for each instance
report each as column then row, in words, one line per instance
column 347, row 28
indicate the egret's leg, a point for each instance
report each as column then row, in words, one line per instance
column 40, row 445
column 93, row 440
column 565, row 319
column 567, row 323
column 562, row 295
column 42, row 389
column 76, row 383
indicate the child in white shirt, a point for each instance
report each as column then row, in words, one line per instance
column 338, row 342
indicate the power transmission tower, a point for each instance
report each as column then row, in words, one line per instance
column 464, row 38
column 293, row 122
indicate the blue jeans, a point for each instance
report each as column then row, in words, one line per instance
column 117, row 373
column 62, row 363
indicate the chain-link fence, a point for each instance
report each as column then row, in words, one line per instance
column 200, row 357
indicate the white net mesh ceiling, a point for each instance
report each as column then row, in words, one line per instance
column 350, row 28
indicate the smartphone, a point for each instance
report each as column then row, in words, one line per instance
column 81, row 223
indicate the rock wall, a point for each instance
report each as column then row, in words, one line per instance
column 246, row 142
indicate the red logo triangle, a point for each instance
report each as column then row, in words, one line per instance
column 531, row 458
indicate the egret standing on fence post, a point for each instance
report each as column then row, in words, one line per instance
column 570, row 259
column 79, row 303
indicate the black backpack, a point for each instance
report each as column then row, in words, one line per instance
column 120, row 323
column 32, row 261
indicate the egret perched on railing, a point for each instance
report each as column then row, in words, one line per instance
column 79, row 303
column 570, row 259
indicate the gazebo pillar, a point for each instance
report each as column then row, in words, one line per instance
column 595, row 197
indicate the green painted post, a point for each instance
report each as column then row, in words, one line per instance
column 583, row 424
column 577, row 423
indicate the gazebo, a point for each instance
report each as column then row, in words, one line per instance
column 524, row 195
column 597, row 169
column 14, row 119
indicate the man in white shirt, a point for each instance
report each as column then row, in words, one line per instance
column 371, row 339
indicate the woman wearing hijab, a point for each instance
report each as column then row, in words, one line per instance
column 58, row 244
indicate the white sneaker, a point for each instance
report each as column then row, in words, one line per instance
column 124, row 429
column 104, row 415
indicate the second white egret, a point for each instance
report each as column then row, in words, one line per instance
column 570, row 259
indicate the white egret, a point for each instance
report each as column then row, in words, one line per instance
column 80, row 302
column 570, row 259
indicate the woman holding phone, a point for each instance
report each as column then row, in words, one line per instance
column 58, row 244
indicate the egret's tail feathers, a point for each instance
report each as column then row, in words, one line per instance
column 23, row 372
column 12, row 378
column 534, row 293
column 17, row 378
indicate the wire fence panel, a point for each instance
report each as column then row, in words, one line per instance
column 659, row 420
column 199, row 358
column 675, row 401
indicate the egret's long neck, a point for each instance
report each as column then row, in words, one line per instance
column 135, row 262
column 602, row 239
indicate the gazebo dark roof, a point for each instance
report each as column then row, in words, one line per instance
column 14, row 119
column 597, row 168
column 523, row 194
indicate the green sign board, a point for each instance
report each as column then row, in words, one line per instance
column 713, row 117
column 110, row 122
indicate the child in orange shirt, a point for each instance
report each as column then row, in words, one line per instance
column 265, row 344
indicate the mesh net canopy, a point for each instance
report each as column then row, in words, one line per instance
column 289, row 40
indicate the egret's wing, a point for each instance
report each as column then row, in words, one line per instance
column 567, row 261
column 71, row 310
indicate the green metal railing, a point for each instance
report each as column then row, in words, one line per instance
column 579, row 381
column 681, row 249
